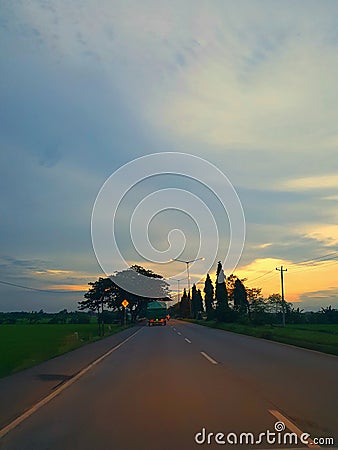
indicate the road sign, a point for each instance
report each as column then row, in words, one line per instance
column 125, row 303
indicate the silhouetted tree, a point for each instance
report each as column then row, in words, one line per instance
column 200, row 304
column 97, row 296
column 328, row 315
column 230, row 284
column 209, row 297
column 148, row 281
column 107, row 292
column 241, row 303
column 222, row 307
column 185, row 305
column 196, row 302
column 258, row 311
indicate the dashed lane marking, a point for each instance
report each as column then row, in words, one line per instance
column 209, row 358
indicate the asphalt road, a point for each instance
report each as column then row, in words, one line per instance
column 165, row 384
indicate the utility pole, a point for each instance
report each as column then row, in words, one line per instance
column 281, row 270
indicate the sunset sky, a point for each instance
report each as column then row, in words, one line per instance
column 86, row 87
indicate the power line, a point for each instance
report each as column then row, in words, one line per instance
column 35, row 289
column 314, row 267
column 317, row 259
column 328, row 257
column 261, row 276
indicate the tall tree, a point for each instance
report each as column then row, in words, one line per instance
column 241, row 303
column 196, row 302
column 222, row 306
column 200, row 304
column 185, row 305
column 209, row 297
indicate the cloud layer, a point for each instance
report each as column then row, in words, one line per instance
column 86, row 88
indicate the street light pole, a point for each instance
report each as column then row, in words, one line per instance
column 178, row 287
column 188, row 274
column 188, row 262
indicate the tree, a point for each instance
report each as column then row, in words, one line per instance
column 97, row 296
column 108, row 292
column 328, row 315
column 185, row 305
column 222, row 306
column 275, row 306
column 241, row 303
column 146, row 280
column 200, row 304
column 253, row 294
column 196, row 302
column 258, row 311
column 297, row 316
column 209, row 297
column 274, row 303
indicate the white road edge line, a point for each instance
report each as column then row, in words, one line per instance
column 292, row 427
column 186, row 339
column 209, row 358
column 58, row 391
column 180, row 334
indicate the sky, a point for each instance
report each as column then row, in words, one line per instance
column 86, row 87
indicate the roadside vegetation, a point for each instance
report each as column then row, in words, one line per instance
column 28, row 338
column 323, row 338
column 24, row 345
column 231, row 306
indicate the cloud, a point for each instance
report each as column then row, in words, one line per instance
column 263, row 91
column 327, row 234
column 327, row 181
column 314, row 301
column 250, row 86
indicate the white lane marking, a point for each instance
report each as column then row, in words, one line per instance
column 58, row 391
column 180, row 334
column 209, row 358
column 174, row 328
column 186, row 339
column 292, row 427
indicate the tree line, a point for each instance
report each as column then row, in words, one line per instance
column 231, row 301
column 37, row 317
column 226, row 300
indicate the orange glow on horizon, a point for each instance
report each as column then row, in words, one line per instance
column 68, row 287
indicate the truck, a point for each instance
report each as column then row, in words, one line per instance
column 157, row 313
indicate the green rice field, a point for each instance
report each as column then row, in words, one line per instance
column 22, row 346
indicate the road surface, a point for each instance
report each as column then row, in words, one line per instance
column 165, row 387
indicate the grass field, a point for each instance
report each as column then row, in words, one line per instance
column 22, row 346
column 323, row 338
